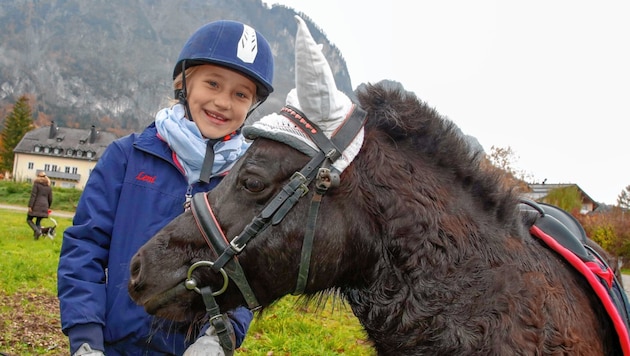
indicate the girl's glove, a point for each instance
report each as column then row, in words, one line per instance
column 86, row 350
column 206, row 345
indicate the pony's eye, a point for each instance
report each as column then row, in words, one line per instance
column 253, row 185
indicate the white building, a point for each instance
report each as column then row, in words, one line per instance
column 66, row 155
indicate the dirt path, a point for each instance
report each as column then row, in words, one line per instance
column 63, row 214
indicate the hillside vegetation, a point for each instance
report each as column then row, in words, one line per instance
column 110, row 63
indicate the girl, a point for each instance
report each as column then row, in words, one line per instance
column 142, row 182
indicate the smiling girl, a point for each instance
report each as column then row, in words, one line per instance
column 224, row 71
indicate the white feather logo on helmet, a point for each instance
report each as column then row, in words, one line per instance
column 248, row 45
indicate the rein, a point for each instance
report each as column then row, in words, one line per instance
column 274, row 212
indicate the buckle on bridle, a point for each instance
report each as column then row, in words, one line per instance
column 303, row 187
column 326, row 179
column 237, row 249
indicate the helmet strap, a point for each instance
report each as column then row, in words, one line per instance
column 182, row 95
column 208, row 161
column 254, row 107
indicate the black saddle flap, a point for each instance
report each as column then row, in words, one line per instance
column 560, row 225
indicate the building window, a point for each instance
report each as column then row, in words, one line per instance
column 47, row 167
column 74, row 170
column 67, row 169
column 31, row 165
column 54, row 168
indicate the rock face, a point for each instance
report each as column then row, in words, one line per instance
column 109, row 62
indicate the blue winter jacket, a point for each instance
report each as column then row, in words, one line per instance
column 135, row 189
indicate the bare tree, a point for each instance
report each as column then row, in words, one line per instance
column 623, row 199
column 504, row 158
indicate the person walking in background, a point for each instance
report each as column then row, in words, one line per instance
column 39, row 204
column 145, row 180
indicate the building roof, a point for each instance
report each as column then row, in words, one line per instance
column 85, row 144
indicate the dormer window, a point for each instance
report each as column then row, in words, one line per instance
column 57, row 150
column 69, row 152
column 78, row 153
column 37, row 148
column 46, row 149
column 90, row 154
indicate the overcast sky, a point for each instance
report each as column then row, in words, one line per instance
column 549, row 79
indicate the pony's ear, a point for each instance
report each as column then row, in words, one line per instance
column 317, row 94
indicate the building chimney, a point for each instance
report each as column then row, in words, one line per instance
column 93, row 134
column 53, row 130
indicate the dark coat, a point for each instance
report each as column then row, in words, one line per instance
column 145, row 189
column 41, row 198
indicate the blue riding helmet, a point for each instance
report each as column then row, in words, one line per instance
column 230, row 44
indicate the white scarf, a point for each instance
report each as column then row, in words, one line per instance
column 185, row 139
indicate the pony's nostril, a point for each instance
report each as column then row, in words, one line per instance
column 135, row 283
column 135, row 268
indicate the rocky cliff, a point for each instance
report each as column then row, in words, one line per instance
column 109, row 62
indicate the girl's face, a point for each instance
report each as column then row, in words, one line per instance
column 219, row 99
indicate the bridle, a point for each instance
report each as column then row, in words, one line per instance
column 318, row 169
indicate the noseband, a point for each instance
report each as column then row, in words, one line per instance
column 272, row 214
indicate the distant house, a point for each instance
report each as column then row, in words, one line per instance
column 538, row 192
column 66, row 155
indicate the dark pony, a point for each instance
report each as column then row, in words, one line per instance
column 425, row 242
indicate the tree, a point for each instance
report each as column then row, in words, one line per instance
column 17, row 123
column 610, row 230
column 504, row 158
column 623, row 199
column 567, row 198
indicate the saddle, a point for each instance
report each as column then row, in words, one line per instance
column 561, row 232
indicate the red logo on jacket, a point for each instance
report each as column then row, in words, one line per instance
column 145, row 178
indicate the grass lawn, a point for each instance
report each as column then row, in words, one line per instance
column 29, row 311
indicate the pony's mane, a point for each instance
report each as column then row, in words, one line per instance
column 418, row 129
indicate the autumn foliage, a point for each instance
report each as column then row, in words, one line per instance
column 610, row 228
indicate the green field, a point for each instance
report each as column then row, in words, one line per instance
column 29, row 314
